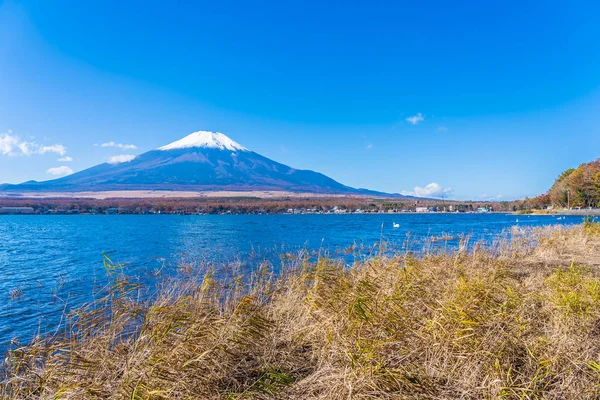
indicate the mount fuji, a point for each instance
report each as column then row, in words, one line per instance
column 201, row 161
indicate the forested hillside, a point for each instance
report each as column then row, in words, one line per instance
column 575, row 187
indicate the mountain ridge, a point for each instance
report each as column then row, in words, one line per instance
column 201, row 161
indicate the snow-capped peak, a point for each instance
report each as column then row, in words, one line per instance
column 213, row 140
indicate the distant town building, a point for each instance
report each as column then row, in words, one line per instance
column 16, row 210
column 421, row 209
column 113, row 210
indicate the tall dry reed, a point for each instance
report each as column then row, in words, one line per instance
column 519, row 318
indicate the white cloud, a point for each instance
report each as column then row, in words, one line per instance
column 55, row 148
column 120, row 159
column 415, row 119
column 442, row 129
column 60, row 171
column 370, row 146
column 119, row 145
column 431, row 190
column 66, row 159
column 12, row 145
column 8, row 143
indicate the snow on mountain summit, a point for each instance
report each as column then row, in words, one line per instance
column 213, row 140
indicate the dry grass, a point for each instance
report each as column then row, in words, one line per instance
column 518, row 320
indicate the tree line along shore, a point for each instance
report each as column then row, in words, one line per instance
column 240, row 205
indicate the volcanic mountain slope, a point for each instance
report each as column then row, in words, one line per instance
column 201, row 161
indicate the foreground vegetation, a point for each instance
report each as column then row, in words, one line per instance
column 518, row 319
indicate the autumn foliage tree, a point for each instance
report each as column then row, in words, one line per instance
column 577, row 187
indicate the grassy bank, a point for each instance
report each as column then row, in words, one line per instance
column 518, row 320
column 586, row 212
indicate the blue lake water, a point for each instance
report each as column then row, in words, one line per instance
column 56, row 260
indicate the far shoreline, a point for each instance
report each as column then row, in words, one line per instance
column 254, row 202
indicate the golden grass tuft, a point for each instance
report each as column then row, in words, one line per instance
column 519, row 319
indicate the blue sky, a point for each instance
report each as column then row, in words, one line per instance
column 506, row 94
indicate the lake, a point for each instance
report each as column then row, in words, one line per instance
column 52, row 263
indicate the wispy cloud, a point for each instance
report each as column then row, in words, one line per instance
column 369, row 146
column 65, row 159
column 55, row 148
column 119, row 145
column 415, row 119
column 442, row 129
column 12, row 145
column 485, row 196
column 60, row 171
column 8, row 143
column 120, row 159
column 431, row 190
